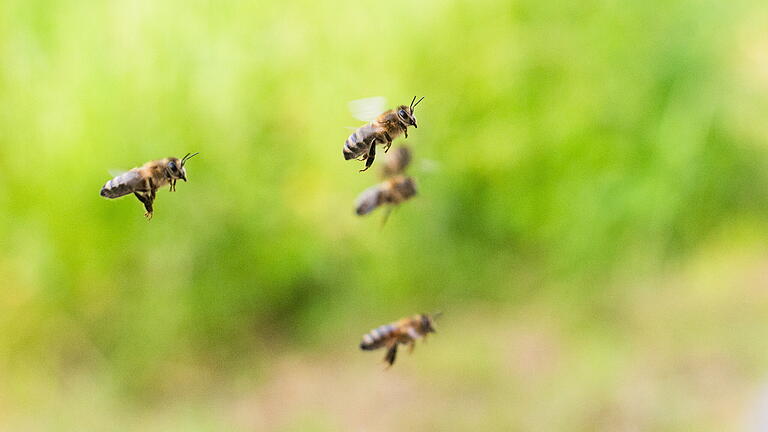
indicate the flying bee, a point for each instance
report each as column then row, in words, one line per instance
column 405, row 331
column 396, row 162
column 145, row 180
column 395, row 189
column 382, row 128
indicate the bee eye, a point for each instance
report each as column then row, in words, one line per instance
column 403, row 114
column 172, row 166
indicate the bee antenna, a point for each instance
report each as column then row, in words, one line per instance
column 413, row 105
column 188, row 157
column 412, row 100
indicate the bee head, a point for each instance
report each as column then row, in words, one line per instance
column 175, row 167
column 405, row 113
column 426, row 323
column 405, row 186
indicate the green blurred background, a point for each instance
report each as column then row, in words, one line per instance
column 592, row 217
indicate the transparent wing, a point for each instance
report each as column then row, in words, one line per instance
column 428, row 166
column 116, row 172
column 368, row 109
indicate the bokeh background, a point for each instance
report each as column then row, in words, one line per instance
column 592, row 217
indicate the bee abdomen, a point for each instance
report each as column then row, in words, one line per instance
column 368, row 201
column 377, row 337
column 356, row 145
column 123, row 184
column 353, row 148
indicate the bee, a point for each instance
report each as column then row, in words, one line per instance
column 145, row 180
column 382, row 128
column 395, row 188
column 397, row 162
column 404, row 331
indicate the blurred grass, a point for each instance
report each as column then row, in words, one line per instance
column 582, row 150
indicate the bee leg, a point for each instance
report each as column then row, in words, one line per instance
column 389, row 142
column 149, row 199
column 149, row 211
column 148, row 207
column 173, row 186
column 140, row 197
column 405, row 131
column 391, row 355
column 371, row 156
column 147, row 204
column 386, row 216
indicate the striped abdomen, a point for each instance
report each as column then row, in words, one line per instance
column 369, row 200
column 378, row 337
column 123, row 184
column 359, row 142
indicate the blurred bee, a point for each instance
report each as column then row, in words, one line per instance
column 145, row 180
column 404, row 331
column 396, row 162
column 395, row 188
column 382, row 128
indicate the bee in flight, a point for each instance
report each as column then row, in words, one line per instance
column 404, row 331
column 145, row 180
column 382, row 128
column 395, row 188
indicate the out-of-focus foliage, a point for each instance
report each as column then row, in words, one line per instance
column 568, row 155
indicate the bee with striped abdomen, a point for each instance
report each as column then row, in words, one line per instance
column 404, row 331
column 381, row 129
column 395, row 188
column 144, row 181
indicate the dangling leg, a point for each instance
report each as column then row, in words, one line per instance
column 391, row 355
column 389, row 142
column 145, row 199
column 387, row 212
column 405, row 131
column 371, row 155
column 150, row 198
column 140, row 197
column 152, row 191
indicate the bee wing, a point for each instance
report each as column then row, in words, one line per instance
column 368, row 109
column 429, row 165
column 116, row 172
